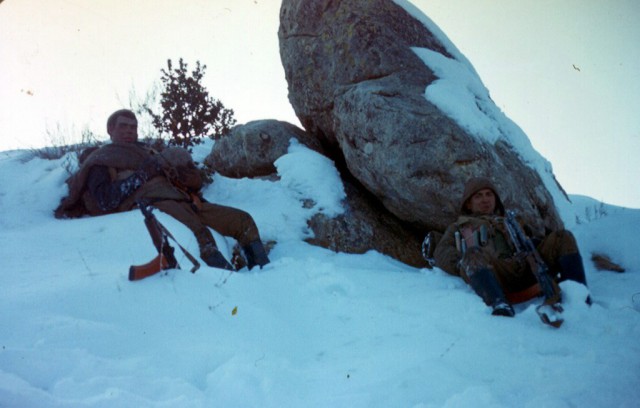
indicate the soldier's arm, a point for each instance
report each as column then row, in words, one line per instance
column 110, row 194
column 189, row 176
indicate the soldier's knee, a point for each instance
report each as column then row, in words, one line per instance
column 249, row 229
column 245, row 219
column 474, row 258
column 566, row 241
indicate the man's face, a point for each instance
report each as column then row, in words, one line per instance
column 125, row 130
column 483, row 202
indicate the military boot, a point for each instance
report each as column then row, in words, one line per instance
column 214, row 258
column 485, row 284
column 572, row 269
column 209, row 251
column 255, row 254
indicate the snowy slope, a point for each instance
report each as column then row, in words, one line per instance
column 314, row 329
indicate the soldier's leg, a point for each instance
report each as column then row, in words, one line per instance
column 183, row 212
column 560, row 251
column 479, row 273
column 514, row 274
column 229, row 221
column 238, row 224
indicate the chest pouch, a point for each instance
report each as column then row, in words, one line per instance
column 470, row 237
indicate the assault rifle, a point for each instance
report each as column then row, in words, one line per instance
column 160, row 237
column 551, row 310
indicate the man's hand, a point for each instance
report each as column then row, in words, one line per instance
column 150, row 168
column 189, row 176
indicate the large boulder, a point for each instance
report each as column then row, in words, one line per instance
column 359, row 82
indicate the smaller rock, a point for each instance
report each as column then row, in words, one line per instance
column 251, row 149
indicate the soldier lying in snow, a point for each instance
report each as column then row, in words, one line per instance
column 116, row 176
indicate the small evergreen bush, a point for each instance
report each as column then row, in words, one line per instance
column 188, row 111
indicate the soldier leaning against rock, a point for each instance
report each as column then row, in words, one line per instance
column 489, row 264
column 115, row 176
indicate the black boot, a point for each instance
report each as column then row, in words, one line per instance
column 256, row 254
column 214, row 258
column 209, row 251
column 573, row 269
column 485, row 284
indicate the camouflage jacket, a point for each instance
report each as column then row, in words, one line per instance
column 486, row 231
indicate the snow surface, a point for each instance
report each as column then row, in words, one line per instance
column 313, row 329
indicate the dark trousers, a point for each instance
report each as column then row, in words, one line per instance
column 227, row 221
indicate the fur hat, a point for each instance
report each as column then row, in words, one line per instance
column 474, row 185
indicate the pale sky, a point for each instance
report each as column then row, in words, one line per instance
column 566, row 71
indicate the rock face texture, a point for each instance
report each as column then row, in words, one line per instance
column 251, row 149
column 358, row 87
column 366, row 225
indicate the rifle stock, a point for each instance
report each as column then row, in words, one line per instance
column 137, row 272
